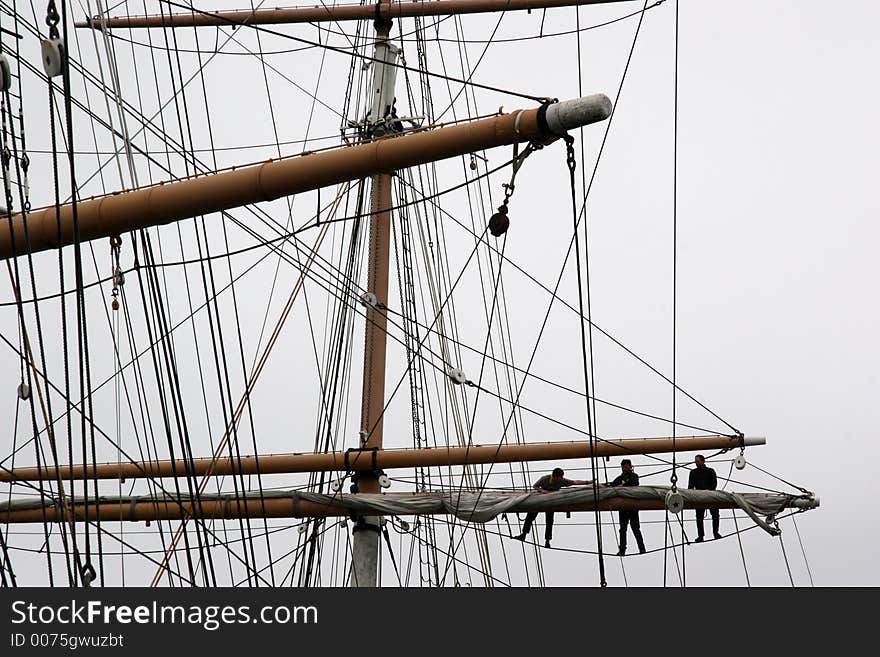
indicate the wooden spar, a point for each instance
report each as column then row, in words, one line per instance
column 355, row 460
column 138, row 509
column 365, row 544
column 382, row 10
column 116, row 214
column 375, row 334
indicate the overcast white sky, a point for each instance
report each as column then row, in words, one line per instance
column 777, row 316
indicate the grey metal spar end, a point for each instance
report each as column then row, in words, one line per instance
column 805, row 503
column 570, row 114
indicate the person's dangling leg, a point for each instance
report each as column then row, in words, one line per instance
column 701, row 513
column 623, row 518
column 548, row 528
column 637, row 531
column 527, row 526
column 716, row 523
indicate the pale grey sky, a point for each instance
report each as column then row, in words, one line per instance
column 777, row 232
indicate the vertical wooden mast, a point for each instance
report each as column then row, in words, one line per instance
column 365, row 542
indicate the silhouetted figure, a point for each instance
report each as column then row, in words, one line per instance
column 631, row 517
column 548, row 484
column 704, row 478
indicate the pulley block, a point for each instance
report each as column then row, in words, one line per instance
column 457, row 375
column 53, row 57
column 499, row 222
column 5, row 74
column 674, row 502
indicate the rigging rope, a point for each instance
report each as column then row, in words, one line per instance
column 366, row 58
column 585, row 356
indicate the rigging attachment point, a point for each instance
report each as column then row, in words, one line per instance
column 740, row 462
column 362, row 524
column 384, row 481
column 457, row 375
column 336, row 485
column 302, row 528
column 53, row 57
column 88, row 574
column 24, row 391
column 369, row 299
column 674, row 502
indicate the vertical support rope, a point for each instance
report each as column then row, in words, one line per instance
column 674, row 477
column 572, row 165
column 785, row 556
column 803, row 551
column 741, row 551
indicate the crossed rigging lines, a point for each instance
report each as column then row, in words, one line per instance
column 342, row 287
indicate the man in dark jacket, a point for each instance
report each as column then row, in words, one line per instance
column 631, row 517
column 548, row 484
column 703, row 478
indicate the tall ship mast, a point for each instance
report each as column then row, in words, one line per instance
column 245, row 354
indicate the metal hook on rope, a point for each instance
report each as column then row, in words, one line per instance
column 88, row 574
column 118, row 275
column 569, row 153
column 52, row 19
column 53, row 51
column 26, row 187
column 5, row 159
column 499, row 222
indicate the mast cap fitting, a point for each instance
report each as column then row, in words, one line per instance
column 578, row 112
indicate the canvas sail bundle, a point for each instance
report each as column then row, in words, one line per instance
column 466, row 505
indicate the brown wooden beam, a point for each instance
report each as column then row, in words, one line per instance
column 375, row 330
column 139, row 510
column 121, row 212
column 385, row 459
column 386, row 10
